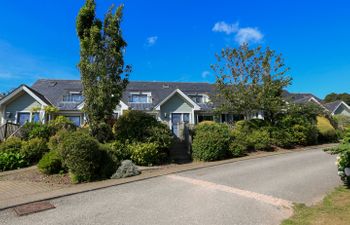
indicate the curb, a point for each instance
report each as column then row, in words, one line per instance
column 152, row 173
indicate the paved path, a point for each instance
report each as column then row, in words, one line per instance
column 257, row 191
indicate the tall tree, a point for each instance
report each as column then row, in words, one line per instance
column 334, row 97
column 251, row 80
column 103, row 73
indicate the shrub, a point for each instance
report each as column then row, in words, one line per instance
column 56, row 139
column 34, row 149
column 161, row 135
column 81, row 155
column 51, row 163
column 237, row 150
column 343, row 121
column 61, row 123
column 119, row 150
column 11, row 160
column 12, row 145
column 103, row 132
column 35, row 130
column 211, row 142
column 145, row 154
column 134, row 126
column 259, row 140
column 327, row 133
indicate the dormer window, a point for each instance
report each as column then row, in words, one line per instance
column 73, row 97
column 140, row 97
column 199, row 98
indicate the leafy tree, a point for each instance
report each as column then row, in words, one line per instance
column 334, row 97
column 103, row 73
column 251, row 80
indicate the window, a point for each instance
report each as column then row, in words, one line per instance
column 73, row 97
column 140, row 97
column 23, row 117
column 200, row 98
column 205, row 118
column 75, row 120
column 36, row 117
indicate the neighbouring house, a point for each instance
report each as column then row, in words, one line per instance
column 338, row 108
column 171, row 102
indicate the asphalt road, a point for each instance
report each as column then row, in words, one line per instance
column 257, row 191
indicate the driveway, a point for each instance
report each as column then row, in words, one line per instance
column 257, row 191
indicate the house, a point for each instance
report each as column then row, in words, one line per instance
column 338, row 108
column 170, row 102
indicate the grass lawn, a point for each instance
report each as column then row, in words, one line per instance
column 333, row 210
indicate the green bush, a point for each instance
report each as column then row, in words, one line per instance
column 119, row 150
column 161, row 135
column 145, row 154
column 61, row 123
column 103, row 132
column 327, row 133
column 259, row 140
column 51, row 163
column 34, row 149
column 237, row 149
column 11, row 160
column 83, row 156
column 134, row 126
column 211, row 142
column 35, row 130
column 12, row 145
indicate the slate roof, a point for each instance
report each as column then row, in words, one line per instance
column 332, row 106
column 298, row 98
column 54, row 90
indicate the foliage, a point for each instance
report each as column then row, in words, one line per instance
column 334, row 97
column 119, row 150
column 11, row 160
column 51, row 163
column 138, row 126
column 34, row 149
column 11, row 145
column 35, row 130
column 101, row 63
column 259, row 140
column 327, row 133
column 211, row 142
column 104, row 133
column 61, row 123
column 145, row 154
column 342, row 121
column 296, row 126
column 237, row 149
column 343, row 159
column 81, row 155
column 250, row 81
column 50, row 109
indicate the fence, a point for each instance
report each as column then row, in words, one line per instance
column 8, row 129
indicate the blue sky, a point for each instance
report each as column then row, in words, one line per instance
column 177, row 40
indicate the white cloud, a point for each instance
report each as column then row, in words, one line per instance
column 151, row 41
column 205, row 74
column 225, row 27
column 242, row 35
column 248, row 35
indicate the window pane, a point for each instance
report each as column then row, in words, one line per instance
column 36, row 117
column 23, row 118
column 75, row 120
column 186, row 117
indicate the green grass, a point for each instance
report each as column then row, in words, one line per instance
column 333, row 210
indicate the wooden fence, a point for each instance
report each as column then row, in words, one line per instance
column 8, row 129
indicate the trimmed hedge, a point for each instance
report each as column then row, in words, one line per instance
column 34, row 149
column 211, row 142
column 145, row 154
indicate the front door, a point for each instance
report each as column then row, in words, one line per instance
column 177, row 119
column 23, row 117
